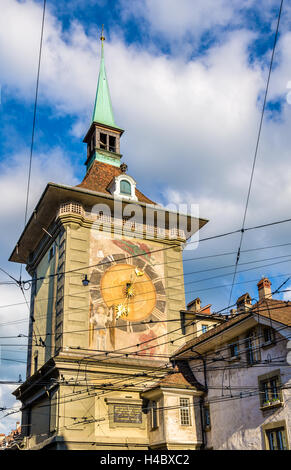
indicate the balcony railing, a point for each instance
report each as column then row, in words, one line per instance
column 126, row 225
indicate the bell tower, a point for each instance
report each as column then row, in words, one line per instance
column 106, row 292
column 103, row 136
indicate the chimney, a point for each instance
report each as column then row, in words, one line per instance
column 194, row 305
column 264, row 288
column 244, row 303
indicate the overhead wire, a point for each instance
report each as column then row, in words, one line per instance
column 256, row 148
column 127, row 257
column 213, row 315
column 176, row 285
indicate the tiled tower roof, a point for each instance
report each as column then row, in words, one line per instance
column 99, row 177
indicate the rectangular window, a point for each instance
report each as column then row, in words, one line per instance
column 27, row 421
column 268, row 335
column 276, row 439
column 103, row 141
column 270, row 389
column 234, row 348
column 207, row 422
column 154, row 414
column 253, row 352
column 183, row 323
column 51, row 253
column 185, row 412
column 35, row 362
column 204, row 328
column 112, row 144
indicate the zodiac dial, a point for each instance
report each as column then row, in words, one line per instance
column 130, row 287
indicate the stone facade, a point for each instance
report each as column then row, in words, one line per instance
column 74, row 389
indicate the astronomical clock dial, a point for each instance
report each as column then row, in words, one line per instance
column 127, row 291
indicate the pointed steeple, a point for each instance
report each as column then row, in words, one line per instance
column 103, row 136
column 103, row 112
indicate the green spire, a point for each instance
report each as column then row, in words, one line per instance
column 103, row 112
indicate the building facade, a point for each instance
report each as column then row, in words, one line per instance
column 244, row 368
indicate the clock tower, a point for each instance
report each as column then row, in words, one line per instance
column 106, row 290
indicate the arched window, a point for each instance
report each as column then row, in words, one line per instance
column 125, row 187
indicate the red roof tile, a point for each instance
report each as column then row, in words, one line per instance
column 181, row 377
column 175, row 380
column 277, row 310
column 100, row 176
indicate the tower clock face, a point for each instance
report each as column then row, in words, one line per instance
column 128, row 298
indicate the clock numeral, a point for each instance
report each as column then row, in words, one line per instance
column 110, row 258
column 95, row 294
column 95, row 277
column 119, row 258
column 161, row 305
column 159, row 287
column 158, row 314
column 139, row 263
column 151, row 273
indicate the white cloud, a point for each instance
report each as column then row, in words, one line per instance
column 68, row 68
column 13, row 181
column 192, row 124
column 174, row 18
column 183, row 23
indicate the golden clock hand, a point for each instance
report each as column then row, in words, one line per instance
column 139, row 272
column 121, row 308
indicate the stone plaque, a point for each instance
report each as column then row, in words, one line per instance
column 127, row 414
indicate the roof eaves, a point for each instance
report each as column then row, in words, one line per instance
column 211, row 334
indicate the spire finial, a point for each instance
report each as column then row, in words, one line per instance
column 102, row 37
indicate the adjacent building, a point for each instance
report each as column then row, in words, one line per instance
column 243, row 366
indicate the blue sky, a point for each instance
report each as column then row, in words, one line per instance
column 186, row 85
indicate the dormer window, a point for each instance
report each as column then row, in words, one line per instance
column 125, row 187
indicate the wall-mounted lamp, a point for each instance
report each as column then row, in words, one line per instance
column 85, row 281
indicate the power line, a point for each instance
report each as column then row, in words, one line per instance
column 178, row 319
column 236, row 284
column 196, row 258
column 214, row 355
column 176, row 285
column 246, row 392
column 256, row 149
column 122, row 380
column 126, row 258
column 24, row 320
column 9, row 275
column 34, row 112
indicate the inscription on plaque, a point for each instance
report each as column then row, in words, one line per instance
column 127, row 414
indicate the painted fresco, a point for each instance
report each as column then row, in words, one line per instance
column 127, row 296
